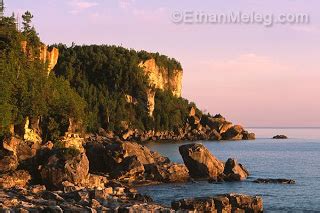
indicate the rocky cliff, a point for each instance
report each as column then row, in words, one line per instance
column 46, row 56
column 30, row 130
column 50, row 57
column 161, row 78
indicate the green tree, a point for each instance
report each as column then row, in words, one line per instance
column 27, row 19
column 29, row 31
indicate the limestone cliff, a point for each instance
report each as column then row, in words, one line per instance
column 46, row 56
column 30, row 131
column 160, row 78
column 50, row 57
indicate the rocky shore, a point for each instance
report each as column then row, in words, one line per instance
column 99, row 173
column 197, row 127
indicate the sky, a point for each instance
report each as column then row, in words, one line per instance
column 254, row 75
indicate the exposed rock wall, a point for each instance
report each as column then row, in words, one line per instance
column 50, row 57
column 151, row 102
column 160, row 78
column 46, row 56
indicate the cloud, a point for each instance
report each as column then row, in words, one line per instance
column 249, row 63
column 158, row 14
column 80, row 5
column 306, row 29
column 125, row 4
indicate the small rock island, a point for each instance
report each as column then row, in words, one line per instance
column 280, row 137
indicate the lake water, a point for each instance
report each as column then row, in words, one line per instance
column 297, row 158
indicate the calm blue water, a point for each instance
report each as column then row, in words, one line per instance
column 297, row 158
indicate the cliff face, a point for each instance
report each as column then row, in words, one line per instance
column 50, row 57
column 160, row 78
column 31, row 130
column 46, row 56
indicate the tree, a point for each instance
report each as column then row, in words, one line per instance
column 29, row 31
column 27, row 19
column 26, row 90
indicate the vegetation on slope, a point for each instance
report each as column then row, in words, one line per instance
column 88, row 84
column 103, row 75
column 25, row 88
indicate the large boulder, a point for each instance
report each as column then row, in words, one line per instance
column 22, row 149
column 200, row 162
column 235, row 171
column 106, row 156
column 65, row 165
column 14, row 179
column 131, row 162
column 220, row 203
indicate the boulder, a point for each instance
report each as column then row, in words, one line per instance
column 220, row 203
column 11, row 144
column 167, row 173
column 65, row 165
column 8, row 161
column 225, row 127
column 233, row 133
column 127, row 134
column 22, row 149
column 194, row 204
column 130, row 169
column 200, row 162
column 193, row 120
column 277, row 181
column 14, row 179
column 246, row 203
column 214, row 135
column 234, row 171
column 108, row 156
column 70, row 141
column 248, row 136
column 96, row 181
column 100, row 159
column 131, row 162
column 144, row 155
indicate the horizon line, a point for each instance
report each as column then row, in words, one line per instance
column 283, row 127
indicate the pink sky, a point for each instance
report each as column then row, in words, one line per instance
column 253, row 75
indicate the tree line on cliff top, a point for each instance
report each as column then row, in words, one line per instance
column 89, row 84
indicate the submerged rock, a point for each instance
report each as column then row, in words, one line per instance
column 200, row 162
column 220, row 203
column 277, row 181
